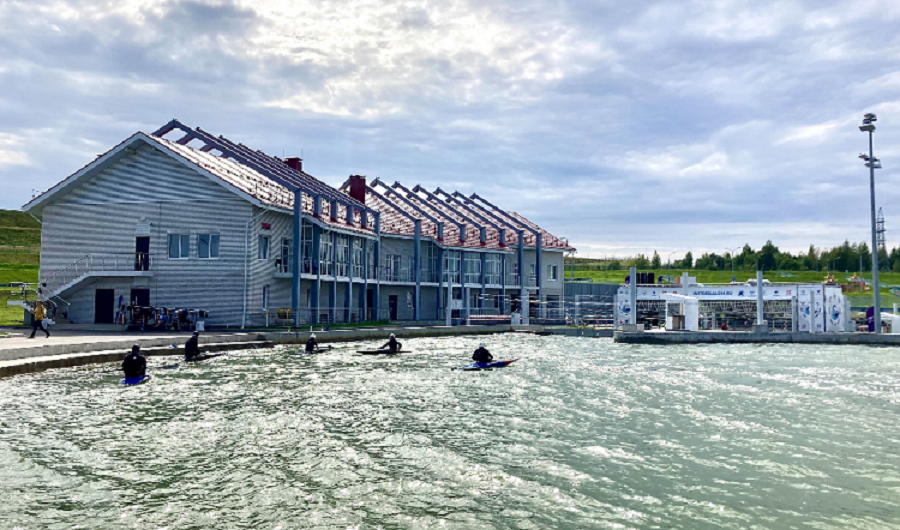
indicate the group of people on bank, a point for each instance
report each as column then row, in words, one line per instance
column 135, row 363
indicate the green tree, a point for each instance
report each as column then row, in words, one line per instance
column 641, row 262
column 656, row 262
column 688, row 261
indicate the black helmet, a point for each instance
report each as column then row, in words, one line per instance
column 135, row 349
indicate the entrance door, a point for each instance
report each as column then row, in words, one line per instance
column 140, row 297
column 105, row 306
column 370, row 305
column 142, row 253
column 392, row 307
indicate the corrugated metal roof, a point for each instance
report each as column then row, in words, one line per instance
column 397, row 218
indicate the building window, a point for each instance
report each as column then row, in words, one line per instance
column 266, row 298
column 553, row 272
column 208, row 246
column 343, row 255
column 263, row 247
column 473, row 267
column 451, row 266
column 358, row 259
column 326, row 255
column 392, row 264
column 287, row 255
column 492, row 269
column 179, row 246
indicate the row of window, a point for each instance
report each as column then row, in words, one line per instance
column 180, row 246
column 208, row 248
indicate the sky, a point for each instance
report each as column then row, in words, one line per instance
column 626, row 127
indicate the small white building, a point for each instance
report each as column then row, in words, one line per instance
column 705, row 306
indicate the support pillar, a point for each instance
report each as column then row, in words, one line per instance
column 348, row 295
column 812, row 310
column 376, row 298
column 417, row 263
column 483, row 284
column 539, row 273
column 333, row 296
column 795, row 314
column 441, row 298
column 632, row 295
column 760, row 300
column 295, row 261
column 317, row 285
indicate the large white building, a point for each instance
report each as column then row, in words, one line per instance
column 183, row 218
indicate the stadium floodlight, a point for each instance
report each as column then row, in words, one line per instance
column 873, row 163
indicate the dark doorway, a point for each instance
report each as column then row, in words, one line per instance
column 140, row 297
column 370, row 305
column 105, row 306
column 392, row 307
column 142, row 253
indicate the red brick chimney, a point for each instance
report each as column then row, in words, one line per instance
column 294, row 162
column 358, row 187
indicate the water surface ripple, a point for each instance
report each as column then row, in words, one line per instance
column 581, row 433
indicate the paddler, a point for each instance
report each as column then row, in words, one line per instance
column 482, row 355
column 392, row 344
column 135, row 364
column 311, row 344
column 192, row 347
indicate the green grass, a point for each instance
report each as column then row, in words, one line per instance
column 17, row 219
column 9, row 315
column 20, row 246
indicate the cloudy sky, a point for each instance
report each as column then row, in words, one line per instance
column 625, row 126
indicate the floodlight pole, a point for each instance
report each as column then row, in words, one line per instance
column 875, row 283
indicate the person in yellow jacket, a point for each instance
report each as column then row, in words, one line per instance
column 39, row 315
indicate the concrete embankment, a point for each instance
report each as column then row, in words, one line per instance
column 743, row 337
column 18, row 358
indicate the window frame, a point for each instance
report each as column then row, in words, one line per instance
column 554, row 276
column 259, row 247
column 181, row 246
column 218, row 246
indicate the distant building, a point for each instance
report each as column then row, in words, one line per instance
column 184, row 219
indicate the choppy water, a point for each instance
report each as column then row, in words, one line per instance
column 581, row 433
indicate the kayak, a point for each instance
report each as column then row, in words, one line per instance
column 203, row 357
column 304, row 352
column 490, row 365
column 382, row 352
column 132, row 381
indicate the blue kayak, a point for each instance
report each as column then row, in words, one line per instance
column 131, row 381
column 490, row 365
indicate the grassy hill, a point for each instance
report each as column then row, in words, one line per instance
column 20, row 257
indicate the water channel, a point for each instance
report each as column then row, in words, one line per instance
column 581, row 433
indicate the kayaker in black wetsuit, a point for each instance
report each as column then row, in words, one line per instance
column 135, row 364
column 311, row 344
column 392, row 344
column 482, row 355
column 192, row 347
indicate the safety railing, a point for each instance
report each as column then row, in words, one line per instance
column 80, row 268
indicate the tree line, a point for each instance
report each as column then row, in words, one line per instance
column 848, row 257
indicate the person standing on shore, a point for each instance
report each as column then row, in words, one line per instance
column 38, row 322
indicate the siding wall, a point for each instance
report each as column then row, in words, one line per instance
column 101, row 216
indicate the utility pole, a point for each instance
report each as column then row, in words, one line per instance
column 873, row 163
